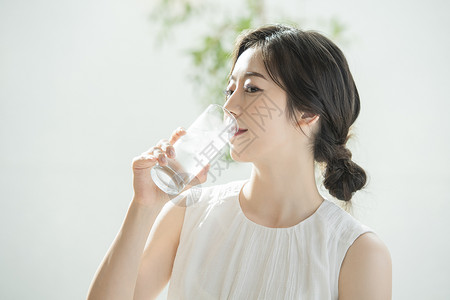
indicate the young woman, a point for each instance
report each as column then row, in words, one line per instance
column 272, row 236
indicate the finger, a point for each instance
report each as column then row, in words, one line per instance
column 167, row 148
column 161, row 156
column 170, row 151
column 201, row 176
column 150, row 151
column 144, row 161
column 162, row 142
column 179, row 132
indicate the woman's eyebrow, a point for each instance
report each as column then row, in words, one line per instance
column 250, row 74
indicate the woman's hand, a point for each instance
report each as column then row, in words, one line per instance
column 145, row 190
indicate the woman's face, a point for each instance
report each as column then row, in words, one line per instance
column 259, row 106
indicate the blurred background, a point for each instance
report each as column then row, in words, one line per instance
column 87, row 85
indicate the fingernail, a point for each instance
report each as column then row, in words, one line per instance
column 171, row 153
column 163, row 160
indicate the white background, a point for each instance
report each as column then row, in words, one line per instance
column 84, row 88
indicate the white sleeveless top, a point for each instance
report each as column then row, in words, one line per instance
column 224, row 255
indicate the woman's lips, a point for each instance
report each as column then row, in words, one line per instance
column 240, row 131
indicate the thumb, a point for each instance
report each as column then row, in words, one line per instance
column 202, row 176
column 199, row 178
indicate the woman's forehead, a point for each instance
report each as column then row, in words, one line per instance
column 249, row 61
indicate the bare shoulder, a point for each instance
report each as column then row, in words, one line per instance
column 366, row 272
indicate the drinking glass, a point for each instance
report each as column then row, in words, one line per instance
column 201, row 145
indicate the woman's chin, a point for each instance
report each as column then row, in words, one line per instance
column 238, row 156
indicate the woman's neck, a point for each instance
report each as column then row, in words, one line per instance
column 281, row 193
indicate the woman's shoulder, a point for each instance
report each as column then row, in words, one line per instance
column 361, row 257
column 366, row 269
column 339, row 223
column 338, row 229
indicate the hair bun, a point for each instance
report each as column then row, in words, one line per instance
column 343, row 177
column 341, row 153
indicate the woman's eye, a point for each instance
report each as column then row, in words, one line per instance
column 228, row 93
column 247, row 88
column 251, row 89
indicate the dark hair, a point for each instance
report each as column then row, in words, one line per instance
column 315, row 75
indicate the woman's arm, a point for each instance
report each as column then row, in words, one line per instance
column 366, row 272
column 157, row 261
column 125, row 261
column 117, row 274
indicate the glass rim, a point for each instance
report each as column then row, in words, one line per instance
column 229, row 113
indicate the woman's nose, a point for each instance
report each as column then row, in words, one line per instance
column 231, row 109
column 232, row 106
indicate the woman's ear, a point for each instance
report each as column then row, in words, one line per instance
column 308, row 122
column 308, row 119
